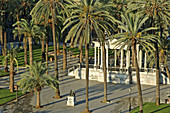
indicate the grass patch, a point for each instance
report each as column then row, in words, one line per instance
column 37, row 54
column 152, row 108
column 76, row 51
column 6, row 95
column 3, row 73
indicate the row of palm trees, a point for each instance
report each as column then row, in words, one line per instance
column 133, row 22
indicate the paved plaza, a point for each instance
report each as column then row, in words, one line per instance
column 118, row 94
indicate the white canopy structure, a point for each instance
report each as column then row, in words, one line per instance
column 111, row 45
column 118, row 67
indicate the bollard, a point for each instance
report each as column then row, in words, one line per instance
column 130, row 90
column 16, row 88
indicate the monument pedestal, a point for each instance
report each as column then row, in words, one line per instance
column 71, row 101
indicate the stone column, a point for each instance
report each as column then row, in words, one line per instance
column 127, row 59
column 101, row 65
column 115, row 58
column 140, row 59
column 95, row 62
column 145, row 64
column 98, row 56
column 107, row 57
column 121, row 62
column 137, row 48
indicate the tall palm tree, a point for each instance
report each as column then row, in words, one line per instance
column 2, row 4
column 134, row 34
column 3, row 21
column 45, row 8
column 12, row 55
column 36, row 79
column 158, row 11
column 14, row 7
column 28, row 29
column 163, row 46
column 87, row 18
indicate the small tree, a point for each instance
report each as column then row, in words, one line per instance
column 12, row 55
column 36, row 79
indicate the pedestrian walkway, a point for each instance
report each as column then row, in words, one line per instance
column 118, row 94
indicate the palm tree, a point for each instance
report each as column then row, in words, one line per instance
column 54, row 43
column 2, row 3
column 3, row 22
column 16, row 32
column 12, row 55
column 14, row 7
column 164, row 44
column 30, row 30
column 134, row 34
column 45, row 8
column 36, row 79
column 88, row 17
column 158, row 11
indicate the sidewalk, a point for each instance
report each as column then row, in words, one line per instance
column 118, row 94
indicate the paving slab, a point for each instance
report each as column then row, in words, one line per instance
column 118, row 94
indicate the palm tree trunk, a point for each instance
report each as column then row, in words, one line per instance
column 64, row 56
column 105, row 73
column 167, row 71
column 138, row 78
column 19, row 35
column 2, row 33
column 58, row 46
column 157, row 76
column 38, row 100
column 57, row 92
column 5, row 51
column 11, row 76
column 30, row 49
column 47, row 55
column 43, row 48
column 81, row 54
column 133, row 59
column 157, row 67
column 87, row 78
column 25, row 50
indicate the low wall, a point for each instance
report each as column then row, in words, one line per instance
column 118, row 77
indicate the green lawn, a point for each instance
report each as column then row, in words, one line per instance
column 37, row 54
column 6, row 95
column 3, row 73
column 76, row 51
column 152, row 108
column 20, row 58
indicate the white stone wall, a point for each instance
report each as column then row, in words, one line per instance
column 118, row 77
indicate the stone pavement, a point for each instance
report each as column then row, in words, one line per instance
column 118, row 94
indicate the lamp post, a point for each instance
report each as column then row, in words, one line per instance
column 130, row 90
